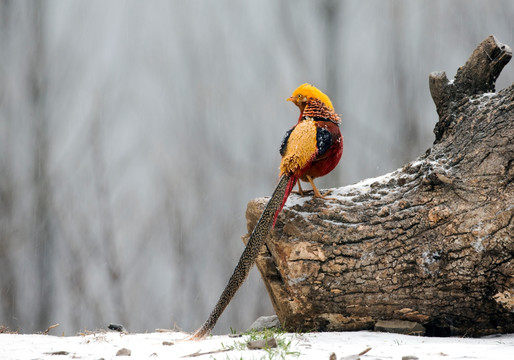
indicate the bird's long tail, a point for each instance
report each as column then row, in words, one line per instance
column 259, row 233
column 289, row 187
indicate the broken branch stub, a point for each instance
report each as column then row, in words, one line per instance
column 476, row 77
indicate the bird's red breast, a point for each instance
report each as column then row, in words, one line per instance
column 325, row 160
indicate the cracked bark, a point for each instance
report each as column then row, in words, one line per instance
column 431, row 242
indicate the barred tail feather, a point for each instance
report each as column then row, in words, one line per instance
column 259, row 233
column 290, row 185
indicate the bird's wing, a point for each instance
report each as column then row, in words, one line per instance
column 283, row 145
column 324, row 140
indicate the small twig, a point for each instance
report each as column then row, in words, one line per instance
column 50, row 328
column 164, row 330
column 176, row 328
column 198, row 353
column 365, row 351
column 62, row 352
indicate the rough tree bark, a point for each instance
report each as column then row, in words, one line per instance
column 431, row 242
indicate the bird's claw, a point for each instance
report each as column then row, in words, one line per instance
column 315, row 194
column 324, row 196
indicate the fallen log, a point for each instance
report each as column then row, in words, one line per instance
column 431, row 242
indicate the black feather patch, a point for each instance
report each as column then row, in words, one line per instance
column 323, row 140
column 283, row 145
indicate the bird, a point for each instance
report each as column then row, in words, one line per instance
column 313, row 147
column 310, row 149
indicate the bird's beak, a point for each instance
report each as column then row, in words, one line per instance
column 291, row 99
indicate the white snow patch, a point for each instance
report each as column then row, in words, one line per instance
column 294, row 200
column 364, row 185
column 483, row 99
column 350, row 192
column 430, row 257
column 478, row 246
column 335, row 223
column 309, row 346
column 346, row 192
column 367, row 255
column 294, row 281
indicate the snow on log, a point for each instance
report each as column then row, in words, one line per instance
column 431, row 242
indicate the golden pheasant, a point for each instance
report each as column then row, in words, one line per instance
column 312, row 148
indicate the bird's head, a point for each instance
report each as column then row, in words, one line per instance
column 305, row 92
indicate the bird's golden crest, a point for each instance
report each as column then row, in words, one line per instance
column 309, row 91
column 301, row 148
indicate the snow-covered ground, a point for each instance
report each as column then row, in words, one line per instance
column 305, row 346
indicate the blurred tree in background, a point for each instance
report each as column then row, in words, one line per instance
column 133, row 134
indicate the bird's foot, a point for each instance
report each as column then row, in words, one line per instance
column 315, row 194
column 318, row 195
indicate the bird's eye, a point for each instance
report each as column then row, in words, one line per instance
column 299, row 96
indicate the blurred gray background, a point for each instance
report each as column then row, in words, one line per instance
column 133, row 134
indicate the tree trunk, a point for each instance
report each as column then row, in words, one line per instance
column 431, row 242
